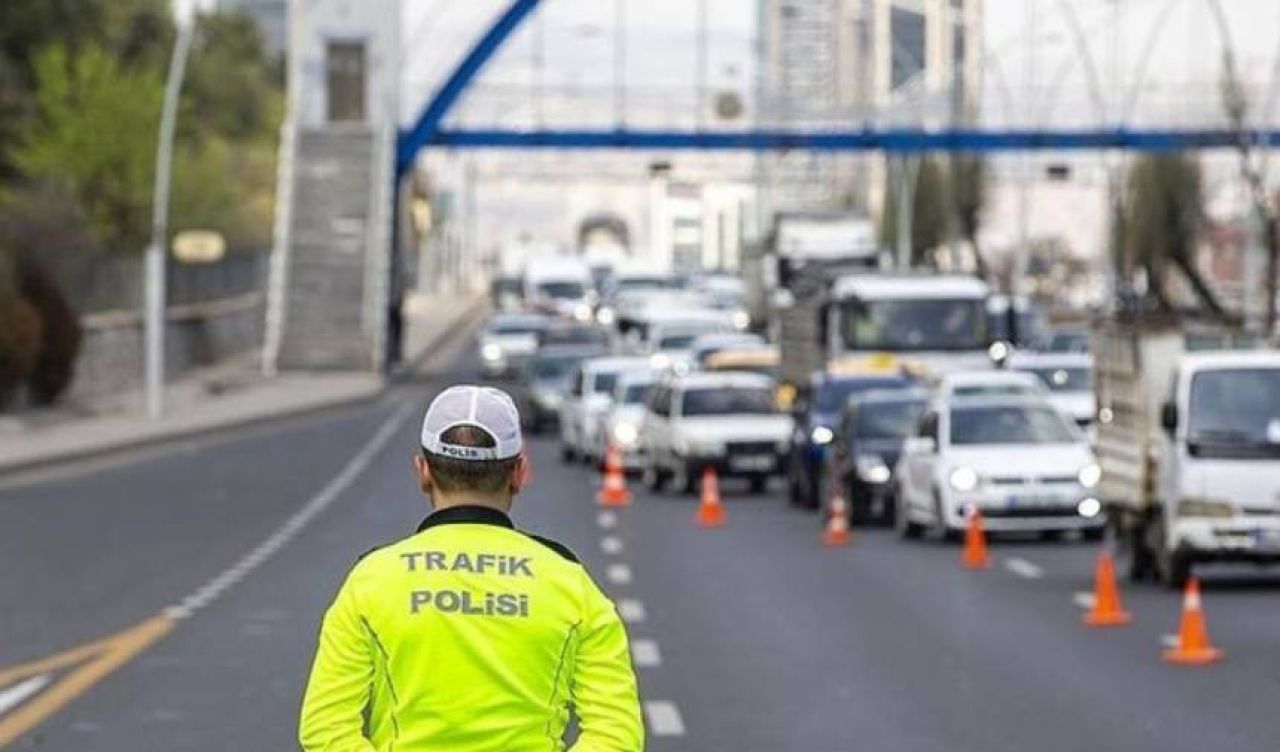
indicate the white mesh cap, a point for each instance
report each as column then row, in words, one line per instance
column 491, row 410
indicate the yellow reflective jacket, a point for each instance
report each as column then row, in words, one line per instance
column 469, row 636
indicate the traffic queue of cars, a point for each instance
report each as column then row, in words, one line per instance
column 664, row 374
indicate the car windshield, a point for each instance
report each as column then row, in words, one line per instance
column 1009, row 424
column 914, row 325
column 637, row 394
column 994, row 389
column 573, row 335
column 833, row 394
column 507, row 285
column 555, row 367
column 516, row 327
column 1235, row 414
column 728, row 401
column 633, row 284
column 887, row 420
column 562, row 290
column 676, row 341
column 1074, row 379
column 604, row 383
column 1068, row 341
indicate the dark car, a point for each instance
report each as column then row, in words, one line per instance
column 546, row 380
column 867, row 445
column 816, row 412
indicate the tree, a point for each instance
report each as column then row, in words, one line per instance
column 967, row 182
column 1161, row 223
column 928, row 210
column 94, row 137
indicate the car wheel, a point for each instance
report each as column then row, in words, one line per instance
column 682, row 480
column 908, row 529
column 566, row 453
column 759, row 484
column 1173, row 568
column 859, row 504
column 944, row 533
column 653, row 477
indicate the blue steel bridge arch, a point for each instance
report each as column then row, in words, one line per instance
column 429, row 130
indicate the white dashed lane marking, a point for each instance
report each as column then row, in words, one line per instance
column 631, row 611
column 611, row 544
column 18, row 693
column 645, row 653
column 618, row 574
column 664, row 718
column 1084, row 599
column 607, row 520
column 1025, row 569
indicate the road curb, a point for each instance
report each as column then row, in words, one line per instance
column 143, row 439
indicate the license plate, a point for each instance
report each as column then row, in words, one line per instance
column 751, row 462
column 1031, row 500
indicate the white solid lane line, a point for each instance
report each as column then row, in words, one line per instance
column 1084, row 599
column 607, row 520
column 17, row 694
column 1024, row 569
column 645, row 653
column 618, row 574
column 664, row 718
column 232, row 575
column 631, row 611
column 611, row 544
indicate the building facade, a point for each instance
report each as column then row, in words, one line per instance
column 860, row 63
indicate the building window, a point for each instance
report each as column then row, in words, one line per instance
column 907, row 33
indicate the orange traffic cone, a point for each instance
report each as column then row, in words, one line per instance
column 614, row 492
column 1106, row 611
column 836, row 532
column 975, row 543
column 1193, row 648
column 710, row 510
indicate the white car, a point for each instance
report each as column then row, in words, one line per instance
column 726, row 421
column 960, row 384
column 590, row 393
column 509, row 341
column 621, row 424
column 1017, row 459
column 668, row 338
column 1069, row 377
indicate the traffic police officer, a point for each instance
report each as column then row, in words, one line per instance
column 470, row 635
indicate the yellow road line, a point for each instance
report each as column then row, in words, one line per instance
column 100, row 658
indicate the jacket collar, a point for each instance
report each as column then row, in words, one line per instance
column 467, row 514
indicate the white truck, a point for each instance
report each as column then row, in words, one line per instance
column 937, row 321
column 559, row 284
column 1188, row 441
column 788, row 278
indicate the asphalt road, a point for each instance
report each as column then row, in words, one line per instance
column 749, row 637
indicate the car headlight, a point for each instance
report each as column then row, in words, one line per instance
column 1089, row 507
column 606, row 316
column 491, row 352
column 821, row 435
column 1196, row 507
column 741, row 320
column 582, row 312
column 625, row 434
column 963, row 479
column 660, row 361
column 1089, row 475
column 871, row 468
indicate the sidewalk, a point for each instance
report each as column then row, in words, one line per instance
column 226, row 396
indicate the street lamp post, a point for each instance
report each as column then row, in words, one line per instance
column 156, row 249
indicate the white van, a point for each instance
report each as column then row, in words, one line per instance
column 560, row 285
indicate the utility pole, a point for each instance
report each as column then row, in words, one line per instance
column 157, row 248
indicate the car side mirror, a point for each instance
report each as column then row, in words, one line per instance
column 1169, row 417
